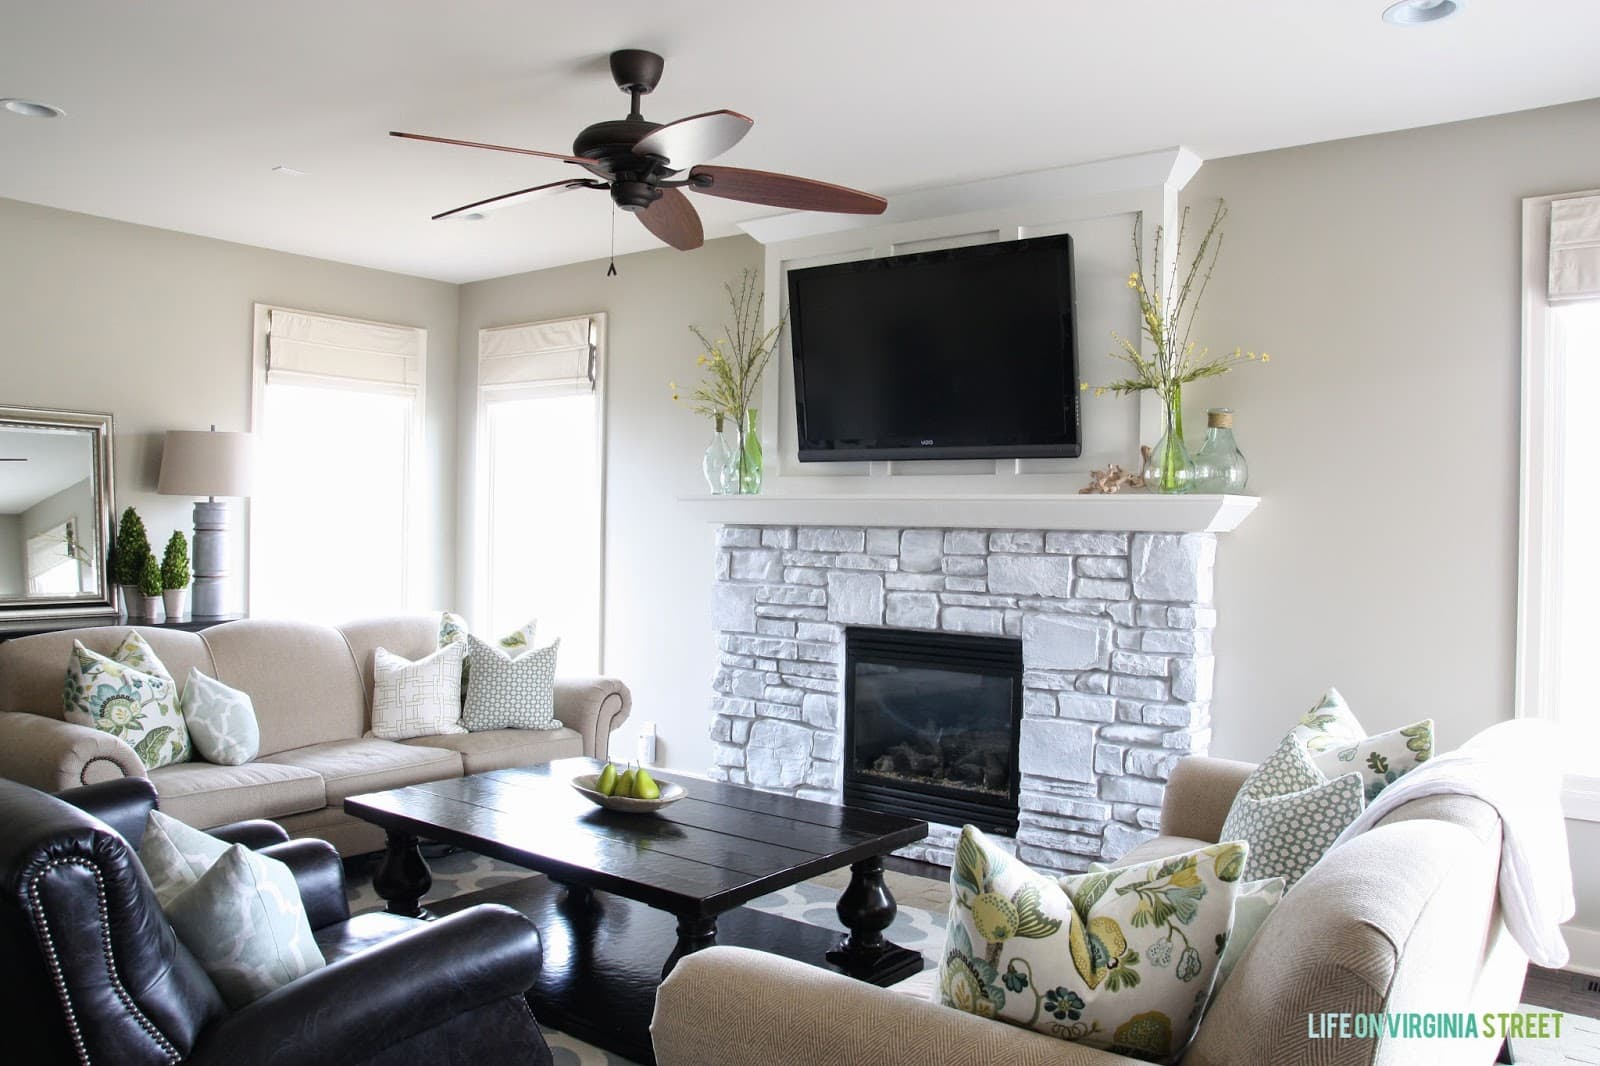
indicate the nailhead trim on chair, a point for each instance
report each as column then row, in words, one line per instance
column 42, row 924
column 83, row 773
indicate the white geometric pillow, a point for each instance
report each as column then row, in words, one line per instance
column 131, row 696
column 221, row 721
column 175, row 855
column 1121, row 960
column 1290, row 814
column 417, row 699
column 511, row 693
column 245, row 923
column 453, row 630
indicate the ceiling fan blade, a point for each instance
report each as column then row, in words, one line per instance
column 695, row 139
column 674, row 219
column 784, row 190
column 493, row 147
column 511, row 199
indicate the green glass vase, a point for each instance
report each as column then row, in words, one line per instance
column 1170, row 467
column 750, row 453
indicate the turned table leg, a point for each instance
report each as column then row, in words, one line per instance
column 694, row 934
column 402, row 878
column 866, row 908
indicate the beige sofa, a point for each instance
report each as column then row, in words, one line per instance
column 1402, row 918
column 312, row 690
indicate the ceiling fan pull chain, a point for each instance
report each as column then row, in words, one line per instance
column 611, row 271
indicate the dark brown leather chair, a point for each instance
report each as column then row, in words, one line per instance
column 94, row 974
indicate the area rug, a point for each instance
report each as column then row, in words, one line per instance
column 919, row 928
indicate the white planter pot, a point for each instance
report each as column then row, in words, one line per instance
column 177, row 604
column 151, row 610
column 131, row 600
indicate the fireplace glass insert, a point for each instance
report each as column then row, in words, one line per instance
column 931, row 725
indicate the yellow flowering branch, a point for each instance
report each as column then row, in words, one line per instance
column 1167, row 323
column 733, row 364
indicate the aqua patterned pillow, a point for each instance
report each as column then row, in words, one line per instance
column 129, row 695
column 453, row 630
column 1122, row 960
column 244, row 921
column 175, row 855
column 1290, row 814
column 221, row 720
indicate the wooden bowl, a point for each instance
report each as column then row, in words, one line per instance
column 585, row 785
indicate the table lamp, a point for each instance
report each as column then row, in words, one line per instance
column 209, row 464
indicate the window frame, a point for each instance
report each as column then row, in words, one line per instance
column 1541, row 469
column 414, row 525
column 483, row 502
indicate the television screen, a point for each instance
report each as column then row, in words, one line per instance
column 955, row 354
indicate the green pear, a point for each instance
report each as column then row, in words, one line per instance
column 625, row 784
column 608, row 781
column 645, row 787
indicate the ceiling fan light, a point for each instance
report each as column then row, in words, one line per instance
column 1420, row 12
column 30, row 108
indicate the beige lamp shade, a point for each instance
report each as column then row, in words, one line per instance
column 202, row 463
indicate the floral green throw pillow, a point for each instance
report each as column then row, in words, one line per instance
column 453, row 630
column 1380, row 759
column 129, row 695
column 1328, row 725
column 1121, row 959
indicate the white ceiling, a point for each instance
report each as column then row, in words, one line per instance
column 178, row 110
column 57, row 459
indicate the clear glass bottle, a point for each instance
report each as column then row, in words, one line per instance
column 749, row 457
column 720, row 466
column 1219, row 465
column 1169, row 468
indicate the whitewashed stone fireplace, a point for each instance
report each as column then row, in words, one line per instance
column 1115, row 627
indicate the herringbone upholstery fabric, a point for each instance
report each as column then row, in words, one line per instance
column 734, row 1006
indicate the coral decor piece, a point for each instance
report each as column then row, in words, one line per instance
column 1113, row 477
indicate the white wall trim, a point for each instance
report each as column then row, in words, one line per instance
column 1585, row 947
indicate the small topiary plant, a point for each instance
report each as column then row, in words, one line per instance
column 150, row 576
column 131, row 550
column 175, row 563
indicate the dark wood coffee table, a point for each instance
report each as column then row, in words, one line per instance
column 628, row 895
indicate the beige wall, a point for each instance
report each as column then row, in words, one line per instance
column 155, row 327
column 658, row 557
column 1383, row 275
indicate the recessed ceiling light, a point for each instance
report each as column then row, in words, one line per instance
column 1420, row 12
column 30, row 108
column 289, row 172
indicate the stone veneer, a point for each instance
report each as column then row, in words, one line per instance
column 1116, row 644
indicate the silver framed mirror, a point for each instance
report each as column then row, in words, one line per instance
column 56, row 498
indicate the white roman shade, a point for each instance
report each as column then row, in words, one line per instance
column 322, row 350
column 558, row 355
column 1575, row 249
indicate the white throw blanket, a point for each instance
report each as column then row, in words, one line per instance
column 1508, row 766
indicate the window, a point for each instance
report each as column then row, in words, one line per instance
column 339, row 428
column 1558, row 632
column 540, row 529
column 54, row 566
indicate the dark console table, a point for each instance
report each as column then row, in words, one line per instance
column 628, row 895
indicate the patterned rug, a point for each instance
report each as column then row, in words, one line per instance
column 917, row 928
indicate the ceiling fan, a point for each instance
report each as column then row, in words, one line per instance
column 646, row 165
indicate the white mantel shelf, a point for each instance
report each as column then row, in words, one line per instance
column 1131, row 511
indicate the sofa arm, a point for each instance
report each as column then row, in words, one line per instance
column 733, row 1005
column 356, row 1008
column 593, row 706
column 51, row 755
column 1199, row 793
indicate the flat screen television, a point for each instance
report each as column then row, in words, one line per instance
column 962, row 353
